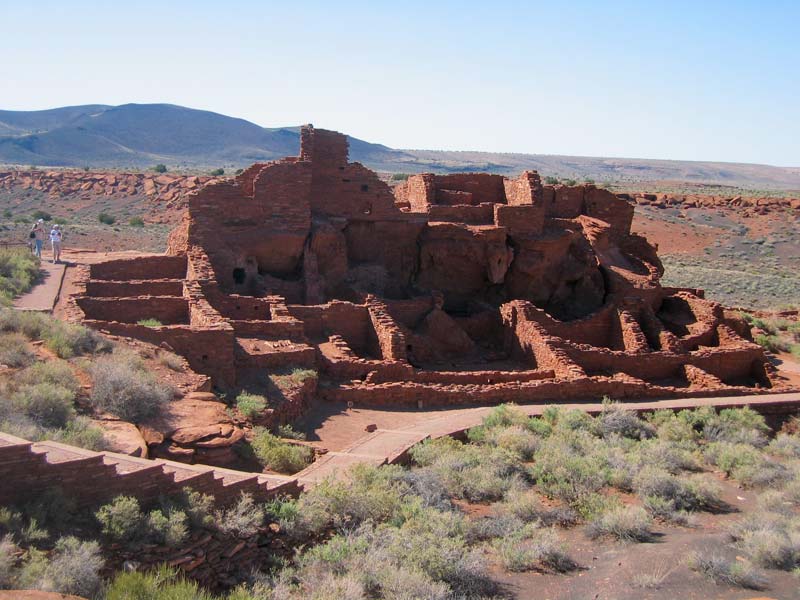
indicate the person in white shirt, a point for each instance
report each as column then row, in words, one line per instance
column 56, row 235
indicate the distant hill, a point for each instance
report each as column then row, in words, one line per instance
column 141, row 135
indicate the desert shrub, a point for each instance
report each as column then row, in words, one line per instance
column 14, row 350
column 136, row 222
column 19, row 270
column 250, row 405
column 472, row 472
column 773, row 343
column 160, row 168
column 163, row 583
column 149, row 322
column 170, row 529
column 671, row 428
column 771, row 549
column 516, row 440
column 243, row 519
column 570, row 467
column 671, row 456
column 721, row 570
column 630, row 523
column 106, row 219
column 540, row 548
column 199, row 508
column 682, row 494
column 400, row 176
column 746, row 464
column 615, row 420
column 126, row 391
column 75, row 567
column 736, row 425
column 429, row 451
column 492, row 527
column 785, row 445
column 372, row 494
column 288, row 432
column 51, row 371
column 68, row 339
column 7, row 561
column 522, row 504
column 47, row 404
column 278, row 455
column 433, row 542
column 122, row 519
column 170, row 360
column 294, row 378
column 550, row 180
column 217, row 172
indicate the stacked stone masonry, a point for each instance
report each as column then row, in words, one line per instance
column 449, row 289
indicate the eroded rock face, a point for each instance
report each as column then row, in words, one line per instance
column 196, row 427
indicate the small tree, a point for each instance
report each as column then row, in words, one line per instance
column 550, row 180
column 106, row 219
column 160, row 168
column 218, row 172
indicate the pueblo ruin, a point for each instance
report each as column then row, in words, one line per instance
column 449, row 289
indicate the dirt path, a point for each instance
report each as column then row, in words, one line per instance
column 44, row 295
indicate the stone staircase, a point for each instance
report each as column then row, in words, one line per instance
column 28, row 468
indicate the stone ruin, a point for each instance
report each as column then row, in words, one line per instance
column 449, row 289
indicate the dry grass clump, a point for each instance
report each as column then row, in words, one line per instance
column 628, row 524
column 533, row 548
column 15, row 350
column 170, row 360
column 731, row 572
column 123, row 387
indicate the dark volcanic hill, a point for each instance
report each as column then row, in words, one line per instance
column 141, row 135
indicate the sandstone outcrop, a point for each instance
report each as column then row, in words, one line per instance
column 465, row 288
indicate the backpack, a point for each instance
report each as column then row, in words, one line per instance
column 32, row 235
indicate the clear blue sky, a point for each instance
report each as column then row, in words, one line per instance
column 700, row 80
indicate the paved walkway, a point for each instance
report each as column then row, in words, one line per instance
column 390, row 445
column 44, row 295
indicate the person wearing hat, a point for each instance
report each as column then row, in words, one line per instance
column 38, row 234
column 56, row 235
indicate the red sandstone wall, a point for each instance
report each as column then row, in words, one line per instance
column 141, row 267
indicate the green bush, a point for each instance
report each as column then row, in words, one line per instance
column 251, row 405
column 19, row 270
column 163, row 583
column 160, row 168
column 294, row 378
column 150, row 322
column 47, row 404
column 122, row 519
column 106, row 219
column 277, row 455
column 550, row 180
column 136, row 222
column 41, row 214
column 217, row 172
column 400, row 176
column 171, row 529
column 126, row 390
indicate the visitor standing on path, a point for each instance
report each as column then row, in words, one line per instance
column 38, row 237
column 56, row 235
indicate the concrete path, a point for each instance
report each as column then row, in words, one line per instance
column 391, row 445
column 44, row 295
